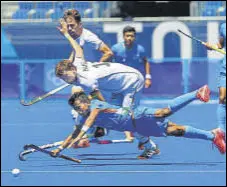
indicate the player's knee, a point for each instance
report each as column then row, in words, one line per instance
column 175, row 131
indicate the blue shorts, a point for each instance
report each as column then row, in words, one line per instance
column 148, row 125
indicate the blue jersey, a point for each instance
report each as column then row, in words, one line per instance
column 116, row 120
column 133, row 57
column 145, row 123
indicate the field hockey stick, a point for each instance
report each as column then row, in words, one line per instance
column 37, row 99
column 28, row 151
column 47, row 146
column 37, row 148
column 203, row 43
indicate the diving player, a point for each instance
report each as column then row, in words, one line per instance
column 143, row 120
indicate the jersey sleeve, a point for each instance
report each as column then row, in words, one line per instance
column 143, row 52
column 93, row 40
column 96, row 104
column 114, row 48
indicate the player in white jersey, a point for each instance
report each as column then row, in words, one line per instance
column 107, row 78
column 102, row 78
column 85, row 38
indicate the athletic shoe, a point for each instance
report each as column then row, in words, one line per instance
column 204, row 93
column 219, row 140
column 148, row 153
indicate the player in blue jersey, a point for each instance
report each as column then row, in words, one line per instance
column 130, row 53
column 143, row 120
column 221, row 111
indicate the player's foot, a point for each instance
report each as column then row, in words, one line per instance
column 219, row 140
column 148, row 153
column 203, row 93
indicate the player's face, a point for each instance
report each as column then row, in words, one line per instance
column 69, row 76
column 81, row 108
column 129, row 38
column 74, row 27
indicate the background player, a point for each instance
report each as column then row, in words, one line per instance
column 130, row 53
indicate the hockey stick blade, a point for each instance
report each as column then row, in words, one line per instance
column 37, row 148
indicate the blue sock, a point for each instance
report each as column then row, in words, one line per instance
column 182, row 101
column 146, row 141
column 221, row 115
column 191, row 132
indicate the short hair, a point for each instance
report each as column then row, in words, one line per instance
column 64, row 65
column 81, row 96
column 74, row 13
column 129, row 29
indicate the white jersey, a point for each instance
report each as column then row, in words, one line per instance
column 106, row 77
column 87, row 38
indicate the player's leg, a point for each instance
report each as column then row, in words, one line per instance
column 150, row 148
column 221, row 110
column 144, row 142
column 178, row 103
column 216, row 136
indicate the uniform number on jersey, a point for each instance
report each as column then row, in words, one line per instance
column 102, row 64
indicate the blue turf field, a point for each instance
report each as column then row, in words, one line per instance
column 182, row 161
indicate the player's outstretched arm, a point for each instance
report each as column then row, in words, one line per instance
column 107, row 53
column 77, row 134
column 88, row 123
column 71, row 57
column 219, row 45
column 148, row 73
column 77, row 48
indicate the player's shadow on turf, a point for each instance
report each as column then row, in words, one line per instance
column 110, row 154
column 133, row 164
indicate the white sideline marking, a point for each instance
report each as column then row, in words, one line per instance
column 107, row 171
